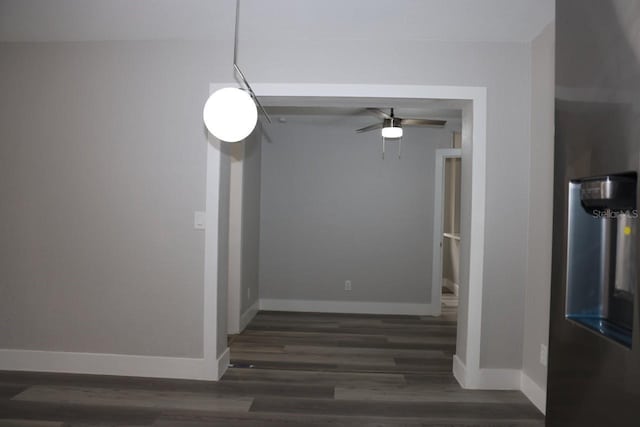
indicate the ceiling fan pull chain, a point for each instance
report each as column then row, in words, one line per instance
column 399, row 147
column 383, row 141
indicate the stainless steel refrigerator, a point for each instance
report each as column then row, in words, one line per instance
column 594, row 348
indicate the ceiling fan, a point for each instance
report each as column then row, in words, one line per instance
column 392, row 126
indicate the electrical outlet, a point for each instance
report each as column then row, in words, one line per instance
column 544, row 355
column 347, row 285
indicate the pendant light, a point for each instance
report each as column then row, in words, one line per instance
column 230, row 114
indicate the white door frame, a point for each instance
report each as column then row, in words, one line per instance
column 474, row 147
column 438, row 204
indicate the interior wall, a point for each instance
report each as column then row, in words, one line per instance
column 334, row 210
column 244, row 228
column 536, row 327
column 102, row 165
column 142, row 149
column 504, row 69
column 251, row 220
column 234, row 282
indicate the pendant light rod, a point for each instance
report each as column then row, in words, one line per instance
column 235, row 37
column 237, row 68
column 253, row 95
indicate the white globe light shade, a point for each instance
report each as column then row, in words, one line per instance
column 230, row 114
column 392, row 132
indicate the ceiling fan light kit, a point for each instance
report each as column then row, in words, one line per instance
column 230, row 114
column 391, row 131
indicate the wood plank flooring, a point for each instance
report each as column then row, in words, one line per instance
column 288, row 369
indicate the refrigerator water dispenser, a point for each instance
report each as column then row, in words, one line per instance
column 601, row 245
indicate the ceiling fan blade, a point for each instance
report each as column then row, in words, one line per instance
column 379, row 113
column 422, row 122
column 368, row 128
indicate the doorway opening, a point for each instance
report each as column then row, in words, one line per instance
column 473, row 105
column 446, row 226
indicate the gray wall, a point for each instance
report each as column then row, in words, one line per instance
column 244, row 227
column 334, row 210
column 143, row 192
column 234, row 282
column 251, row 183
column 536, row 327
column 102, row 164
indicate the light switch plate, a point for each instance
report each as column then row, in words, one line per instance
column 199, row 220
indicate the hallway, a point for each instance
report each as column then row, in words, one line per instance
column 349, row 370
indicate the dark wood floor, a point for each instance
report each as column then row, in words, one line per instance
column 289, row 369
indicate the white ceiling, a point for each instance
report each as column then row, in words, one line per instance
column 445, row 20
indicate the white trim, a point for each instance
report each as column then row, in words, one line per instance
column 500, row 379
column 459, row 371
column 103, row 364
column 360, row 307
column 485, row 378
column 536, row 394
column 476, row 238
column 223, row 362
column 248, row 315
column 438, row 207
column 210, row 327
column 495, row 379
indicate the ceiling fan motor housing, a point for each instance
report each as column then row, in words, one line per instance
column 392, row 123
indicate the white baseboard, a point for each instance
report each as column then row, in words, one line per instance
column 452, row 286
column 500, row 379
column 459, row 371
column 223, row 363
column 536, row 394
column 248, row 315
column 105, row 364
column 486, row 379
column 347, row 307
